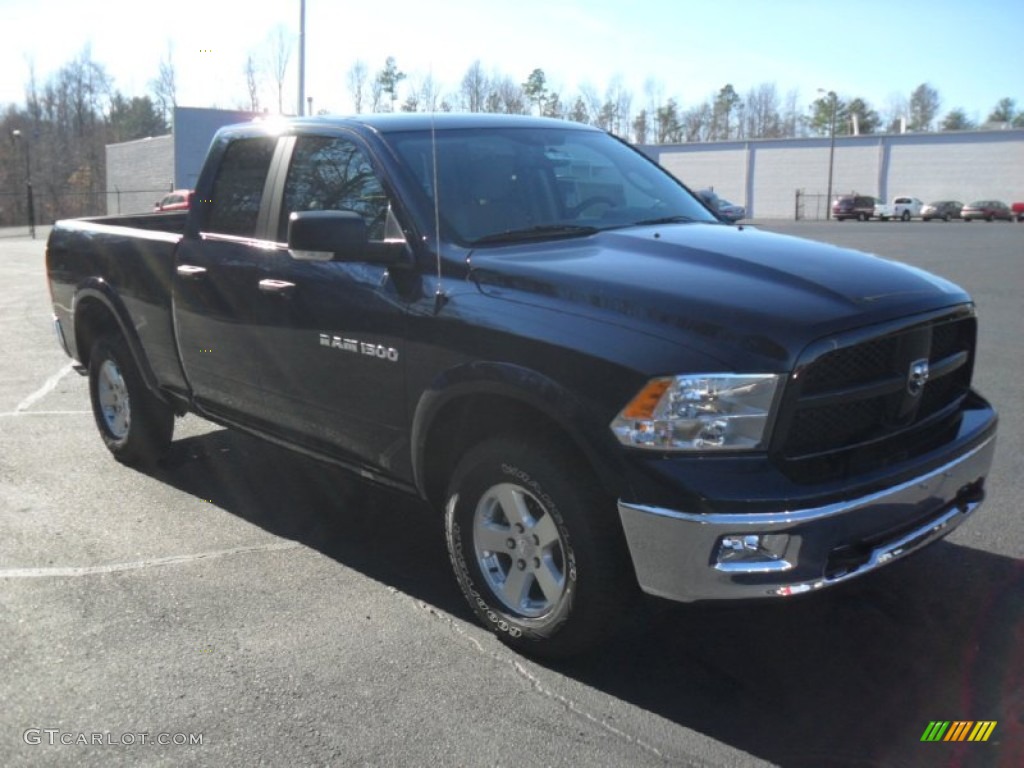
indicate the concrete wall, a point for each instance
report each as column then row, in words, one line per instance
column 763, row 175
column 139, row 173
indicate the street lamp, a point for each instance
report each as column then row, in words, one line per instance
column 15, row 135
column 831, row 150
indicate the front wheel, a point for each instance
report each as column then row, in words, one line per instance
column 136, row 426
column 536, row 547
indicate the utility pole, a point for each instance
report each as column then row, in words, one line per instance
column 831, row 151
column 302, row 57
column 15, row 135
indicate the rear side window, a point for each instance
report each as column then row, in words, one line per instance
column 333, row 174
column 238, row 189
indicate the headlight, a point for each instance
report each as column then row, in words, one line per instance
column 700, row 412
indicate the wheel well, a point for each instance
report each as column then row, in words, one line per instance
column 92, row 321
column 469, row 420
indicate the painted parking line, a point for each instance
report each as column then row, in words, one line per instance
column 48, row 386
column 134, row 565
column 44, row 413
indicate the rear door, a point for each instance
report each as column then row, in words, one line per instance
column 216, row 285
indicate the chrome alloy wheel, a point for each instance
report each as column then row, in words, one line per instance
column 114, row 402
column 519, row 550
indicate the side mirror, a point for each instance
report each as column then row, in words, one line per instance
column 338, row 236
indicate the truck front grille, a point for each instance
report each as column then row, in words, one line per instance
column 860, row 397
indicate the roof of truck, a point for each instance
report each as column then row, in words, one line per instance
column 422, row 121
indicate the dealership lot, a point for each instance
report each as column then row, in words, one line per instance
column 288, row 614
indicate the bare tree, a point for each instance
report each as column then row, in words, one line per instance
column 252, row 78
column 594, row 102
column 376, row 94
column 619, row 102
column 763, row 120
column 896, row 113
column 279, row 57
column 506, row 96
column 640, row 127
column 474, row 87
column 792, row 125
column 356, row 78
column 697, row 122
column 165, row 87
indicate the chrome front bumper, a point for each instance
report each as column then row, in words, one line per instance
column 687, row 557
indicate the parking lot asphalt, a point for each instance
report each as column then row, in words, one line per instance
column 285, row 613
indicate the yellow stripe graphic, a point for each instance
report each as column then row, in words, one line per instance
column 983, row 730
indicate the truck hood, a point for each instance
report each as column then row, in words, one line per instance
column 712, row 286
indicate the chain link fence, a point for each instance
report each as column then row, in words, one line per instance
column 47, row 207
column 810, row 206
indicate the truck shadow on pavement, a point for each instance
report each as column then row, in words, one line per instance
column 848, row 677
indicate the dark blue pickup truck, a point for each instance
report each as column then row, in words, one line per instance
column 603, row 388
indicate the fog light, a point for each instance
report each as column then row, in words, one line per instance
column 753, row 553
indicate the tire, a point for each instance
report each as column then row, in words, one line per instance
column 862, row 217
column 135, row 425
column 520, row 508
column 905, row 216
column 988, row 219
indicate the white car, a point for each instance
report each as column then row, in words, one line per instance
column 903, row 208
column 883, row 210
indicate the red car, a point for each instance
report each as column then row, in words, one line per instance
column 177, row 200
column 989, row 210
column 1018, row 211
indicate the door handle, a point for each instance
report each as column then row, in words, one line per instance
column 189, row 271
column 279, row 287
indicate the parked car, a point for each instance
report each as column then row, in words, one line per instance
column 906, row 208
column 902, row 207
column 730, row 211
column 177, row 200
column 1018, row 210
column 989, row 210
column 727, row 211
column 942, row 209
column 883, row 211
column 859, row 207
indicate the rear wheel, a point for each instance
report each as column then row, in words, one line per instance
column 536, row 547
column 136, row 426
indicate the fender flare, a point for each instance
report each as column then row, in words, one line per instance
column 99, row 290
column 526, row 386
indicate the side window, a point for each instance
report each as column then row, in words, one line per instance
column 332, row 174
column 238, row 189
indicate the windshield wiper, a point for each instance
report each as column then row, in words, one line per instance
column 664, row 220
column 536, row 233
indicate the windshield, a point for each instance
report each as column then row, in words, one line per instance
column 503, row 184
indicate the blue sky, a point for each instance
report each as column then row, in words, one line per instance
column 876, row 49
